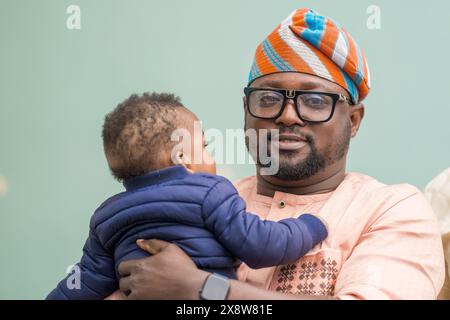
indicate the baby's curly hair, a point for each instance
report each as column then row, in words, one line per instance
column 137, row 134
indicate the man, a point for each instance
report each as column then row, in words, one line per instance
column 308, row 80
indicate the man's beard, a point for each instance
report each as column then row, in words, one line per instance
column 315, row 161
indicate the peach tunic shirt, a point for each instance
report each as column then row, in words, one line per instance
column 383, row 242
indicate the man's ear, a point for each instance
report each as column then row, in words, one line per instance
column 244, row 104
column 356, row 117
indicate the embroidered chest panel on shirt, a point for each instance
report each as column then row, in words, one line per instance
column 314, row 274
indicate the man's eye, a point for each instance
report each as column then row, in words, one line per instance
column 268, row 99
column 315, row 101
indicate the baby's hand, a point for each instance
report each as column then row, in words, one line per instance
column 322, row 219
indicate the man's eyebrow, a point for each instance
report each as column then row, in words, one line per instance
column 310, row 85
column 307, row 85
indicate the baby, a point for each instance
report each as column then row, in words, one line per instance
column 171, row 197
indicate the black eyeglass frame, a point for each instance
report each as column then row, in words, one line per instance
column 291, row 94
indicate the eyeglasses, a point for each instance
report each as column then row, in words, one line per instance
column 311, row 106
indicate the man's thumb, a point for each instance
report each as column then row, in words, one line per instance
column 152, row 246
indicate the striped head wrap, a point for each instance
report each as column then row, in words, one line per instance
column 308, row 42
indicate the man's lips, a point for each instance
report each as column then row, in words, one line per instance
column 291, row 137
column 291, row 142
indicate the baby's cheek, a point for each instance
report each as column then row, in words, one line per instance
column 209, row 163
column 212, row 168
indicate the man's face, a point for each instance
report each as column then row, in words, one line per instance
column 306, row 149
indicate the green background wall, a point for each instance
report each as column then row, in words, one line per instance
column 56, row 85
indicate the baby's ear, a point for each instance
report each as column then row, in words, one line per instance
column 178, row 159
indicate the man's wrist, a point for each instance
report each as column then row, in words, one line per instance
column 215, row 287
column 195, row 284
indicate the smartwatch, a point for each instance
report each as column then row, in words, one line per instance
column 215, row 287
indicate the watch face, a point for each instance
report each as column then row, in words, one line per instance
column 215, row 288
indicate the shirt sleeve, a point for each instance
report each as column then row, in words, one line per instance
column 400, row 256
column 256, row 242
column 93, row 278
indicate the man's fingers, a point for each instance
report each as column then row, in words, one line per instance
column 126, row 267
column 152, row 246
column 124, row 285
column 117, row 295
column 132, row 296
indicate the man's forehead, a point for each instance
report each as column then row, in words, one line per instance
column 298, row 81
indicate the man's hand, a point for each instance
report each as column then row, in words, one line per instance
column 116, row 295
column 168, row 274
column 171, row 274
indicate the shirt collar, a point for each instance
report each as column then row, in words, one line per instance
column 155, row 177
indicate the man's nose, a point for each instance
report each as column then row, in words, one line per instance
column 289, row 117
